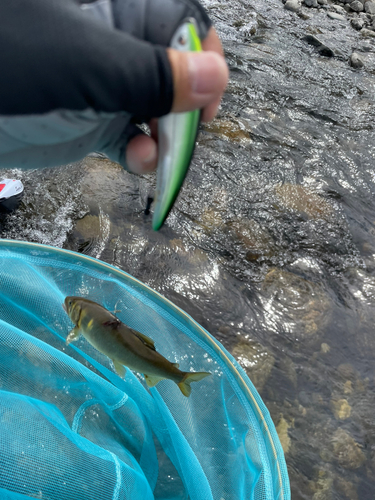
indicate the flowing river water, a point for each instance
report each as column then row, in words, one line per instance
column 271, row 245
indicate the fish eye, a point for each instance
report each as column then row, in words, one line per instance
column 182, row 40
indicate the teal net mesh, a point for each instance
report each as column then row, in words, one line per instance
column 72, row 429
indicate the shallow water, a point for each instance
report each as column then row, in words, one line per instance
column 271, row 245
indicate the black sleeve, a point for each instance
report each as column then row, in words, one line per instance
column 54, row 56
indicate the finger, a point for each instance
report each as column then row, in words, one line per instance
column 199, row 78
column 212, row 42
column 153, row 124
column 141, row 154
column 210, row 111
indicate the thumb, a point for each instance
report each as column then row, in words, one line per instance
column 199, row 80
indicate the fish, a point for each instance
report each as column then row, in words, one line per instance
column 177, row 133
column 124, row 345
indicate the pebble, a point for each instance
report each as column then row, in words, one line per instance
column 357, row 23
column 338, row 9
column 357, row 6
column 356, row 61
column 323, row 2
column 370, row 7
column 292, row 5
column 334, row 15
column 311, row 3
column 366, row 32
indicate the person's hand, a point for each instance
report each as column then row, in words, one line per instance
column 199, row 80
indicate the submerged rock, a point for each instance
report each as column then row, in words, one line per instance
column 255, row 240
column 256, row 361
column 282, row 431
column 305, row 200
column 234, row 131
column 303, row 305
column 346, row 488
column 346, row 450
column 341, row 409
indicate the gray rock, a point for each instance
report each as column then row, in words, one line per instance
column 334, row 15
column 357, row 23
column 322, row 2
column 357, row 6
column 311, row 3
column 370, row 7
column 292, row 5
column 366, row 32
column 356, row 61
column 338, row 9
column 322, row 48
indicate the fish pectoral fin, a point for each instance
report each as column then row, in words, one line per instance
column 152, row 380
column 73, row 335
column 188, row 378
column 120, row 369
column 146, row 340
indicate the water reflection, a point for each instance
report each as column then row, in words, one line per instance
column 271, row 245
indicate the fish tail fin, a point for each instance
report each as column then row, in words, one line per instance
column 190, row 377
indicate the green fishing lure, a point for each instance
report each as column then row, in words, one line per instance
column 177, row 134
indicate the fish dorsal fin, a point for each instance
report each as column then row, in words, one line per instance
column 146, row 340
column 152, row 380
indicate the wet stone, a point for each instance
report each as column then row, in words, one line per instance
column 367, row 33
column 357, row 23
column 370, row 7
column 356, row 61
column 336, row 16
column 339, row 9
column 292, row 5
column 357, row 6
column 311, row 3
